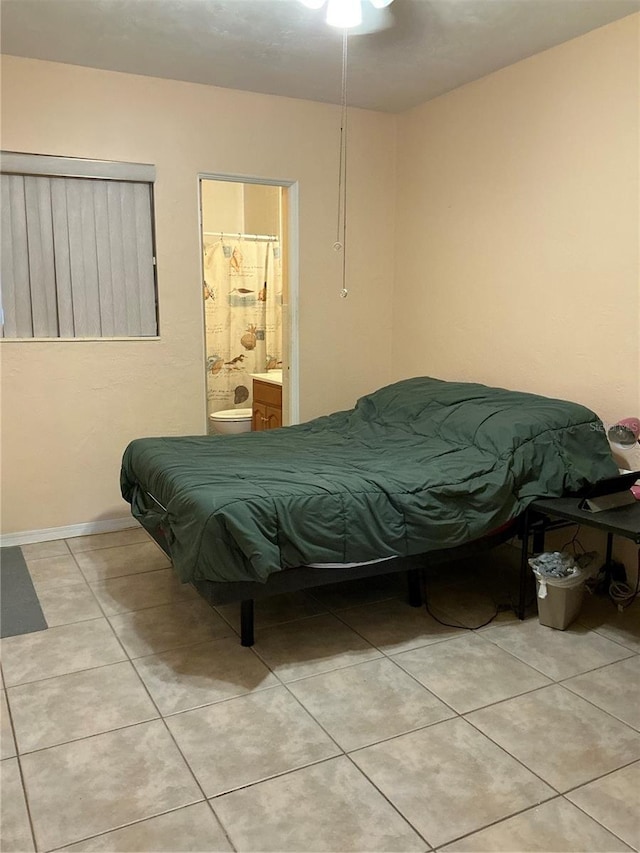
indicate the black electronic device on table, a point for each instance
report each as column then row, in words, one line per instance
column 610, row 493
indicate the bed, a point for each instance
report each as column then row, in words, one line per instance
column 419, row 470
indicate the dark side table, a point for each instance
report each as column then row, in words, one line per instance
column 550, row 513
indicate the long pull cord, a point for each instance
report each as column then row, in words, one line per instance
column 341, row 229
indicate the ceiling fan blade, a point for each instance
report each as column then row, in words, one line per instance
column 374, row 19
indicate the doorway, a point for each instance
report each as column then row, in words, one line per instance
column 248, row 230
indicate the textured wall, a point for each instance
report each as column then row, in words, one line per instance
column 518, row 227
column 69, row 409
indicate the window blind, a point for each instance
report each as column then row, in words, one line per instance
column 77, row 257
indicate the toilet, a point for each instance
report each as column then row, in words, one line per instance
column 231, row 421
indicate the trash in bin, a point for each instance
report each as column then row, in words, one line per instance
column 560, row 586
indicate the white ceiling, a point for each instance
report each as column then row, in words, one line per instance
column 281, row 47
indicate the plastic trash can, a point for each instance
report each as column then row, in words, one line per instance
column 559, row 598
column 562, row 603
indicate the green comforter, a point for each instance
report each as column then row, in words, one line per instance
column 416, row 466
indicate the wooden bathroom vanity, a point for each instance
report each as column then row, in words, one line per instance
column 267, row 401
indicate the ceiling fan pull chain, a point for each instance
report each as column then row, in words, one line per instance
column 341, row 244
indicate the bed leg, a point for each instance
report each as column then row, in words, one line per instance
column 538, row 539
column 524, row 563
column 246, row 622
column 414, row 580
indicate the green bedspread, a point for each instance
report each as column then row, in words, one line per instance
column 419, row 465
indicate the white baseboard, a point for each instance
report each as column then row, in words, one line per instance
column 27, row 537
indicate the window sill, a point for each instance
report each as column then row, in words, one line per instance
column 76, row 340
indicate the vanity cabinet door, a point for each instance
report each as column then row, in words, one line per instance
column 267, row 406
column 260, row 419
column 274, row 417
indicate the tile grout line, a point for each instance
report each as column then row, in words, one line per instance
column 597, row 707
column 341, row 751
column 20, row 771
column 562, row 686
column 171, row 714
column 480, row 707
column 147, row 539
column 271, row 777
column 603, row 776
column 70, row 625
column 524, row 811
column 91, row 581
column 347, row 755
column 26, row 799
column 506, row 751
column 433, row 693
column 323, row 672
column 351, row 666
column 502, row 820
column 385, row 656
column 391, row 803
column 578, row 806
column 95, row 597
column 597, row 668
column 129, row 660
column 126, row 826
column 533, row 772
column 596, row 630
column 275, row 775
column 558, row 680
column 170, row 733
column 84, row 737
column 73, row 671
column 344, row 752
column 173, row 740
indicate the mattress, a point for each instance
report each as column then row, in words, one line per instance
column 347, row 565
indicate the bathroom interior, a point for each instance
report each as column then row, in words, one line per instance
column 242, row 226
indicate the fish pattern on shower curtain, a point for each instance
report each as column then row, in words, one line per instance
column 243, row 317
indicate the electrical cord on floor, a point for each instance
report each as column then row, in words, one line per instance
column 500, row 608
column 618, row 591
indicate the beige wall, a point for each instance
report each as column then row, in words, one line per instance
column 222, row 206
column 516, row 233
column 518, row 227
column 261, row 209
column 237, row 207
column 69, row 409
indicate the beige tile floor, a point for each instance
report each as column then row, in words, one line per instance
column 137, row 722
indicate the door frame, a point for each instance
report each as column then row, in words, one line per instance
column 290, row 376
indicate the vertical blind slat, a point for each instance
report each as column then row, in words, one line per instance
column 6, row 262
column 130, row 259
column 76, row 258
column 103, row 259
column 20, row 302
column 41, row 264
column 89, row 253
column 62, row 260
column 146, row 279
column 117, row 259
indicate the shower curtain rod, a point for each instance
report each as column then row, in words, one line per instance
column 221, row 234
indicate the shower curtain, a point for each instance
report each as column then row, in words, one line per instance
column 243, row 317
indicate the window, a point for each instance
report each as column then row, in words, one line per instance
column 77, row 248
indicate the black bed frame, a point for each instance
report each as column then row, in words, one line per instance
column 305, row 577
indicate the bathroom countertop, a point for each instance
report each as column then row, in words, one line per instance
column 273, row 376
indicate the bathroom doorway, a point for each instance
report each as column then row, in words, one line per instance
column 248, row 229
